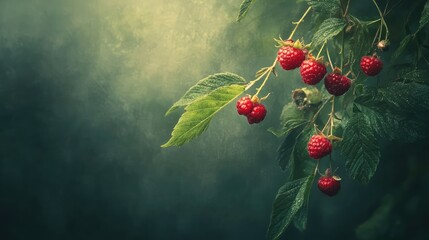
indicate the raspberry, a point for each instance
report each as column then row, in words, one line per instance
column 312, row 71
column 329, row 185
column 290, row 57
column 371, row 65
column 337, row 84
column 257, row 114
column 244, row 105
column 318, row 146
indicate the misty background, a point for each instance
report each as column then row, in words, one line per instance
column 84, row 86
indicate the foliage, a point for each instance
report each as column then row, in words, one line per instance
column 395, row 109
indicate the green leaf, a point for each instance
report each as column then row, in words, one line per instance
column 416, row 75
column 292, row 153
column 360, row 147
column 300, row 220
column 392, row 126
column 327, row 30
column 206, row 86
column 244, row 8
column 424, row 18
column 198, row 115
column 289, row 200
column 292, row 117
column 359, row 40
column 394, row 111
column 325, row 6
column 407, row 98
column 402, row 46
column 285, row 154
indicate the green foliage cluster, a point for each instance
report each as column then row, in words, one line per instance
column 392, row 110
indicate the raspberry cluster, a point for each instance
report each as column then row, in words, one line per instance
column 314, row 70
column 253, row 110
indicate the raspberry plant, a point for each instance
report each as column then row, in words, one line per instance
column 357, row 104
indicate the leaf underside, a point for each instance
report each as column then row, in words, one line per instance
column 198, row 115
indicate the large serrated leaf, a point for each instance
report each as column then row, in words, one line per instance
column 206, row 86
column 406, row 97
column 327, row 30
column 360, row 147
column 416, row 75
column 289, row 200
column 198, row 115
column 325, row 6
column 402, row 46
column 388, row 124
column 424, row 18
column 244, row 8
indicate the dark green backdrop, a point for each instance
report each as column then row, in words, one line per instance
column 84, row 86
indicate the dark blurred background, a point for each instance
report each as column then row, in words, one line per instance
column 84, row 86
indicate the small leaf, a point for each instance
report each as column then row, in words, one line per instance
column 327, row 30
column 402, row 46
column 424, row 18
column 325, row 6
column 292, row 117
column 360, row 147
column 289, row 200
column 206, row 86
column 244, row 8
column 285, row 151
column 300, row 220
column 198, row 115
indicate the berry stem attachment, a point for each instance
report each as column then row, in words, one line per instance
column 299, row 22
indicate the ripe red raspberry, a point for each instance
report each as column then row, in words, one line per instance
column 371, row 65
column 329, row 185
column 257, row 114
column 290, row 57
column 318, row 147
column 312, row 71
column 337, row 84
column 244, row 105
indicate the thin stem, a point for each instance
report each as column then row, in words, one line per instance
column 299, row 22
column 342, row 49
column 320, row 51
column 268, row 73
column 372, row 22
column 347, row 9
column 317, row 168
column 383, row 22
column 329, row 58
column 332, row 115
column 318, row 111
